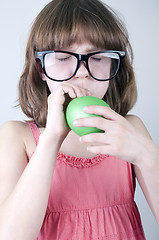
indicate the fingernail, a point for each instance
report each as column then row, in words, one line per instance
column 85, row 108
column 88, row 93
column 75, row 122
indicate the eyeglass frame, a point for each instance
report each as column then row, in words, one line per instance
column 80, row 58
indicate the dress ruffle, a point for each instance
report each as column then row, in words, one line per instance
column 80, row 162
column 120, row 222
column 90, row 203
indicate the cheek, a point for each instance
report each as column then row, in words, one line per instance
column 101, row 88
column 52, row 85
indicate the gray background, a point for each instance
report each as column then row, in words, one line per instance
column 142, row 20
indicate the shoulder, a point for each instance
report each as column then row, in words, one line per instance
column 13, row 126
column 13, row 155
column 134, row 119
column 138, row 124
column 13, row 129
column 16, row 135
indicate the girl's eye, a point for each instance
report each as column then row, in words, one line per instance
column 63, row 59
column 97, row 59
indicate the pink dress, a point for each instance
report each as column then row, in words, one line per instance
column 91, row 199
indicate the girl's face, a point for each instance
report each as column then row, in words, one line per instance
column 82, row 77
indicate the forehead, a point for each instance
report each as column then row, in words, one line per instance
column 82, row 48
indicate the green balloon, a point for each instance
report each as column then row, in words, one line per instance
column 75, row 110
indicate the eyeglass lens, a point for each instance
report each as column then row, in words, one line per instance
column 61, row 66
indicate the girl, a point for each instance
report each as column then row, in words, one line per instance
column 53, row 184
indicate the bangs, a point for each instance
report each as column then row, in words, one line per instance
column 77, row 21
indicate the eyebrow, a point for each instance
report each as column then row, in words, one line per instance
column 89, row 49
column 92, row 49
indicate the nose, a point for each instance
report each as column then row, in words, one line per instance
column 82, row 71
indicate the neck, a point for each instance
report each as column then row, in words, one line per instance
column 73, row 147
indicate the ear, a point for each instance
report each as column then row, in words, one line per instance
column 40, row 70
column 43, row 76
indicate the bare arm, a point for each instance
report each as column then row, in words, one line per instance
column 24, row 187
column 147, row 169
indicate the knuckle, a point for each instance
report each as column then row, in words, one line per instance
column 98, row 121
column 50, row 97
column 101, row 150
column 61, row 87
column 92, row 137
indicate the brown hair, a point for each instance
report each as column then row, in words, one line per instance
column 58, row 25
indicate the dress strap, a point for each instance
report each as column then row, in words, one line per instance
column 35, row 131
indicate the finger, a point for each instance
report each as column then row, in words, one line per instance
column 104, row 111
column 63, row 89
column 96, row 138
column 73, row 92
column 102, row 149
column 97, row 122
column 105, row 150
column 78, row 91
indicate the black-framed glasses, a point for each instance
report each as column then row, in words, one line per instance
column 63, row 65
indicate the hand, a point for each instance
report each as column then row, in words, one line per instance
column 120, row 139
column 56, row 126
